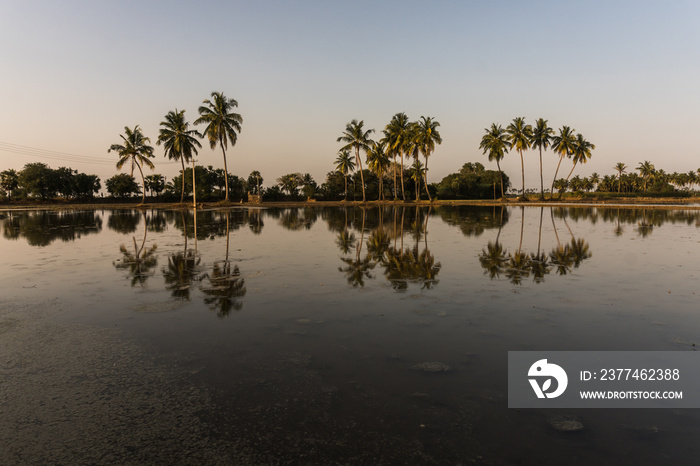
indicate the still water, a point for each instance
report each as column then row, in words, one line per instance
column 374, row 335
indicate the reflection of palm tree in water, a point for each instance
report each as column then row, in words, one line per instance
column 618, row 228
column 560, row 255
column 579, row 248
column 518, row 263
column 538, row 261
column 225, row 283
column 182, row 267
column 345, row 241
column 140, row 263
column 410, row 265
column 493, row 259
column 255, row 223
column 645, row 228
column 358, row 269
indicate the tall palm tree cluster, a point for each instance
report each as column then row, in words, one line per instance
column 401, row 139
column 180, row 142
column 520, row 137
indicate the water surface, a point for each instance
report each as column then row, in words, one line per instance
column 376, row 335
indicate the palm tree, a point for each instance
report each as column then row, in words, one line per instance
column 417, row 173
column 582, row 151
column 136, row 150
column 356, row 138
column 255, row 178
column 290, row 183
column 519, row 137
column 562, row 144
column 646, row 170
column 397, row 132
column 179, row 143
column 427, row 136
column 541, row 139
column 378, row 161
column 9, row 181
column 344, row 164
column 620, row 168
column 223, row 125
column 495, row 142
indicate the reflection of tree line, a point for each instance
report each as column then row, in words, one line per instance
column 644, row 219
column 41, row 228
column 221, row 285
column 518, row 265
column 385, row 247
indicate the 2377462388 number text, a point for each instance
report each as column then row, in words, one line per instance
column 638, row 374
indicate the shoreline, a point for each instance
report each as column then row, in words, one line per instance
column 631, row 203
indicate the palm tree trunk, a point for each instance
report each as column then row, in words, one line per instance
column 541, row 178
column 567, row 178
column 555, row 173
column 417, row 188
column 403, row 193
column 182, row 195
column 194, row 188
column 362, row 177
column 501, row 174
column 522, row 166
column 143, row 182
column 221, row 143
column 425, row 177
column 572, row 170
column 394, row 170
column 619, row 183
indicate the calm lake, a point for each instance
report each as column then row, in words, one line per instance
column 333, row 335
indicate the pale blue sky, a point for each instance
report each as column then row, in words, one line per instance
column 625, row 74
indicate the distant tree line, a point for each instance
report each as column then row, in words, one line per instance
column 38, row 180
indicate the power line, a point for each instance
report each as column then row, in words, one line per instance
column 59, row 156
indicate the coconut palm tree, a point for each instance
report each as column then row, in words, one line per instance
column 344, row 164
column 519, row 137
column 594, row 179
column 356, row 138
column 135, row 149
column 223, row 125
column 427, row 136
column 495, row 142
column 290, row 183
column 562, row 144
column 541, row 139
column 581, row 152
column 620, row 168
column 378, row 161
column 255, row 179
column 179, row 143
column 646, row 170
column 397, row 132
column 417, row 173
column 9, row 181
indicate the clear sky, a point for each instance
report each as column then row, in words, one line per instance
column 625, row 74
